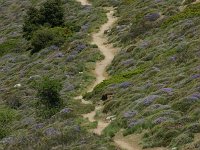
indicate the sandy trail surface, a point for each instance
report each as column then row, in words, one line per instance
column 100, row 69
column 129, row 142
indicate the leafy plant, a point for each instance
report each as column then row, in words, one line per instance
column 48, row 36
column 6, row 117
column 49, row 97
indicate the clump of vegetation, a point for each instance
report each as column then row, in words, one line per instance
column 7, row 116
column 190, row 12
column 48, row 36
column 158, row 44
column 50, row 14
column 49, row 100
column 44, row 26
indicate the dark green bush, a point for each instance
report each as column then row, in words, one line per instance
column 50, row 14
column 49, row 97
column 47, row 37
column 32, row 21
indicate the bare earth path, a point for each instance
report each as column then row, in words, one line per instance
column 129, row 142
column 100, row 70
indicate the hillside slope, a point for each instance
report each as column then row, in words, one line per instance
column 150, row 97
column 21, row 124
column 154, row 83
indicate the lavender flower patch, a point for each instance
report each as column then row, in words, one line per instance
column 38, row 126
column 158, row 1
column 79, row 47
column 195, row 76
column 144, row 44
column 144, row 102
column 59, row 55
column 173, row 58
column 130, row 114
column 85, row 27
column 125, row 84
column 168, row 90
column 127, row 62
column 150, row 99
column 76, row 50
column 134, row 123
column 158, row 106
column 152, row 16
column 51, row 132
column 160, row 120
column 197, row 94
column 194, row 97
column 70, row 58
column 160, row 85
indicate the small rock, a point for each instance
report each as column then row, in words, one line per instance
column 111, row 118
column 17, row 85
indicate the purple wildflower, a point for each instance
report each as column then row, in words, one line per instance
column 130, row 114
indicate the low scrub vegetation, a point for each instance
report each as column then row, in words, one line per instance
column 154, row 80
column 47, row 116
column 48, row 92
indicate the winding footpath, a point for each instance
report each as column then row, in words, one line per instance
column 130, row 142
column 100, row 69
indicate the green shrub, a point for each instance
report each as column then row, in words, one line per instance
column 32, row 21
column 49, row 97
column 119, row 78
column 6, row 117
column 47, row 37
column 52, row 13
column 9, row 46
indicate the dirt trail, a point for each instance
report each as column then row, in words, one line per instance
column 129, row 142
column 100, row 70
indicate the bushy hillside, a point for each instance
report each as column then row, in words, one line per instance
column 153, row 88
column 154, row 79
column 21, row 126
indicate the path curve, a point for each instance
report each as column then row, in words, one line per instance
column 100, row 69
column 129, row 142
